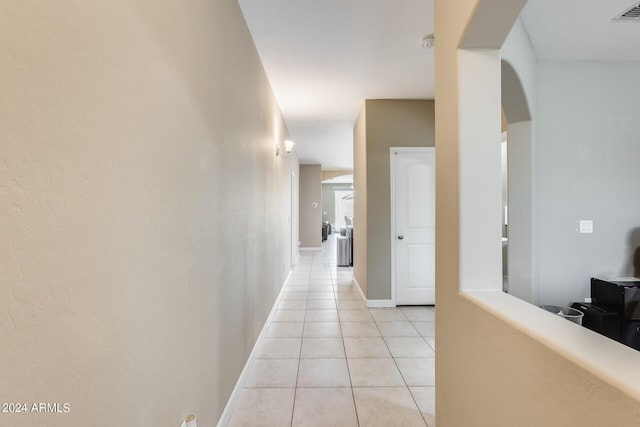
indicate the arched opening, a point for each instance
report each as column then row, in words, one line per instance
column 337, row 197
column 517, row 184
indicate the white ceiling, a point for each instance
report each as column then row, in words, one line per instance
column 582, row 30
column 325, row 57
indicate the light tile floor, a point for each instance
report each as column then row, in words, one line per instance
column 327, row 360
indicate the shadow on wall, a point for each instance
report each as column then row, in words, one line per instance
column 633, row 253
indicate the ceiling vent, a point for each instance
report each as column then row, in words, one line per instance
column 630, row 15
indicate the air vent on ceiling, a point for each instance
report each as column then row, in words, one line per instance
column 630, row 15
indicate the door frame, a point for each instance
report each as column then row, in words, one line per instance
column 392, row 174
column 293, row 220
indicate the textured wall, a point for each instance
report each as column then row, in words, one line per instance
column 143, row 213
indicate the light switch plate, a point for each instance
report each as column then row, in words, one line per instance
column 586, row 226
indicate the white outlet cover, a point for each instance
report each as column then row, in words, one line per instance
column 586, row 226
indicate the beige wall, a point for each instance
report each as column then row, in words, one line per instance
column 143, row 211
column 310, row 217
column 389, row 123
column 328, row 174
column 360, row 200
column 525, row 374
column 519, row 378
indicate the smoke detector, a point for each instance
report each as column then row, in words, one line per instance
column 631, row 14
column 427, row 41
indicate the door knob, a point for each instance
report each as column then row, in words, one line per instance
column 400, row 237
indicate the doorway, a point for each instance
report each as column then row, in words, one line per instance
column 344, row 206
column 413, row 225
column 519, row 248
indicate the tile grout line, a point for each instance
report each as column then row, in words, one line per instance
column 346, row 358
column 411, row 391
column 334, row 287
column 395, row 362
column 318, row 269
column 344, row 347
column 334, row 290
column 295, row 390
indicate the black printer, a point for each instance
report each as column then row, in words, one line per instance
column 614, row 310
column 621, row 296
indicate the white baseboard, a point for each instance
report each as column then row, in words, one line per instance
column 311, row 248
column 242, row 379
column 364, row 298
column 373, row 303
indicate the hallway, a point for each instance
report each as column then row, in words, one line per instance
column 327, row 360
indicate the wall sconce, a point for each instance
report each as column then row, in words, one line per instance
column 288, row 148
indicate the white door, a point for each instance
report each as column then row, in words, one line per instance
column 413, row 225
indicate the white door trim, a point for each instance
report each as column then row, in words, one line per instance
column 294, row 241
column 392, row 174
